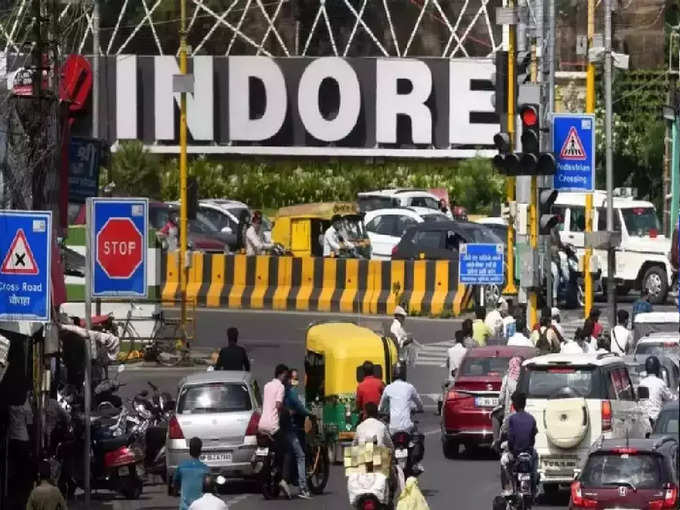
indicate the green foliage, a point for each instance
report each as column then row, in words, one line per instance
column 134, row 170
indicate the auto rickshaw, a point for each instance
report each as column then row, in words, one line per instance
column 300, row 228
column 336, row 352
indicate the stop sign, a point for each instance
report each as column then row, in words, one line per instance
column 120, row 248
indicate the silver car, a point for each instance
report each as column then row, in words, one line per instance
column 222, row 408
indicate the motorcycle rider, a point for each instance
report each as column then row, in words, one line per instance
column 494, row 319
column 508, row 387
column 658, row 390
column 370, row 389
column 255, row 243
column 189, row 475
column 209, row 500
column 521, row 437
column 372, row 429
column 399, row 333
column 332, row 240
column 401, row 397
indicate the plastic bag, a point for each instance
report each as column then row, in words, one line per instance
column 411, row 498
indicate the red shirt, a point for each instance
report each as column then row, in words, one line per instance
column 369, row 390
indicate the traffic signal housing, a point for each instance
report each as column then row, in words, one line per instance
column 547, row 220
column 531, row 136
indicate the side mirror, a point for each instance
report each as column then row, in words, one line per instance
column 227, row 230
column 643, row 393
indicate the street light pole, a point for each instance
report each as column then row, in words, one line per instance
column 183, row 168
column 611, row 254
column 590, row 108
column 510, row 287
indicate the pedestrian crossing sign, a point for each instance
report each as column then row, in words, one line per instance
column 572, row 149
column 19, row 258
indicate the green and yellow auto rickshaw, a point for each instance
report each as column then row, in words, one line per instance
column 300, row 228
column 336, row 352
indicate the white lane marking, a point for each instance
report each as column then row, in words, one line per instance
column 237, row 499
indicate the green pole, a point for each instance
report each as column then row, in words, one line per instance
column 675, row 175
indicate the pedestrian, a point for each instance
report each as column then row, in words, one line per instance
column 595, row 317
column 209, row 499
column 494, row 319
column 20, row 461
column 556, row 323
column 573, row 345
column 169, row 233
column 45, row 496
column 480, row 331
column 468, row 340
column 295, row 426
column 255, row 243
column 273, row 395
column 456, row 354
column 642, row 304
column 589, row 339
column 189, row 475
column 370, row 389
column 403, row 339
column 602, row 345
column 233, row 356
column 622, row 337
column 540, row 337
column 519, row 339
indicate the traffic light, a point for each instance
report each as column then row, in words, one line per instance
column 523, row 68
column 500, row 82
column 505, row 161
column 546, row 219
column 531, row 133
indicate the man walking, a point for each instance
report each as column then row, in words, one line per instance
column 45, row 496
column 232, row 357
column 189, row 475
column 294, row 429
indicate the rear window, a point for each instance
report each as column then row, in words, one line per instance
column 641, row 471
column 434, row 218
column 551, row 382
column 372, row 203
column 214, row 398
column 668, row 423
column 484, row 366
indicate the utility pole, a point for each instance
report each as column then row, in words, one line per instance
column 611, row 254
column 183, row 168
column 590, row 108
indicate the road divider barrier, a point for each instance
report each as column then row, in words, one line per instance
column 426, row 287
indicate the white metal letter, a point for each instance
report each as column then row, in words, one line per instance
column 462, row 101
column 126, row 97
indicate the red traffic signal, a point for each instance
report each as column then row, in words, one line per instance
column 529, row 115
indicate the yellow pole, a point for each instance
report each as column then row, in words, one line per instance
column 590, row 108
column 532, row 309
column 183, row 167
column 510, row 287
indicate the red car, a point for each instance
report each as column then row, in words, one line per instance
column 466, row 413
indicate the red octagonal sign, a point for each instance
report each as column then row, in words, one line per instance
column 119, row 248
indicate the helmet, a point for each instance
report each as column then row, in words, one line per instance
column 652, row 366
column 400, row 311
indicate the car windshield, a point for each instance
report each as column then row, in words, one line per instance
column 434, row 218
column 428, row 202
column 484, row 367
column 641, row 471
column 667, row 423
column 371, row 203
column 547, row 382
column 214, row 398
column 643, row 329
column 658, row 348
column 641, row 221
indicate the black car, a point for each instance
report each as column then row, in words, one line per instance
column 440, row 240
column 667, row 425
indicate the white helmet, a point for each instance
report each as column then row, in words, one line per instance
column 400, row 311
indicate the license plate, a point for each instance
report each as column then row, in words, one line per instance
column 524, row 476
column 216, row 457
column 124, row 471
column 401, row 454
column 262, row 452
column 486, row 401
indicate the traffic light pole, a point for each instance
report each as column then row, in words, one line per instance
column 590, row 108
column 183, row 237
column 510, row 287
column 611, row 253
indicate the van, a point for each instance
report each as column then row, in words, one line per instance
column 641, row 257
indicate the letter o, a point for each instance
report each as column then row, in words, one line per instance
column 316, row 125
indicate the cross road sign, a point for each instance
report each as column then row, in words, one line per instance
column 574, row 149
column 25, row 258
column 481, row 264
column 118, row 241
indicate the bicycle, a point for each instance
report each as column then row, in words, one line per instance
column 318, row 465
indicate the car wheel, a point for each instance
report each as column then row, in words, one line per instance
column 450, row 448
column 656, row 283
column 492, row 293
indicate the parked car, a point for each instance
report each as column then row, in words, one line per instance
column 659, row 343
column 628, row 473
column 670, row 372
column 222, row 408
column 397, row 197
column 575, row 399
column 667, row 426
column 440, row 240
column 385, row 227
column 204, row 234
column 226, row 215
column 466, row 413
column 651, row 322
column 497, row 224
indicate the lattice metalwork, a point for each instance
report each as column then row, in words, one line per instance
column 441, row 28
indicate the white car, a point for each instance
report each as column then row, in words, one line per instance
column 385, row 227
column 652, row 322
column 659, row 343
column 398, row 197
column 575, row 399
column 641, row 258
column 226, row 214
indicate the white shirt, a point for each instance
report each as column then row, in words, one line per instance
column 494, row 321
column 397, row 329
column 519, row 340
column 558, row 327
column 20, row 417
column 571, row 347
column 658, row 394
column 402, row 398
column 254, row 241
column 208, row 502
column 371, row 429
column 456, row 355
column 331, row 242
column 621, row 339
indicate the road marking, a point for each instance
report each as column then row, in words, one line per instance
column 237, row 499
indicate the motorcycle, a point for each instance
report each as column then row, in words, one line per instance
column 266, row 466
column 523, row 485
column 405, row 444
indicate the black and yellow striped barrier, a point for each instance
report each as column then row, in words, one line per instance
column 426, row 287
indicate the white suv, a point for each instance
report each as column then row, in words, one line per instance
column 398, row 197
column 575, row 399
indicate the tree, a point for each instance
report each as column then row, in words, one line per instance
column 133, row 171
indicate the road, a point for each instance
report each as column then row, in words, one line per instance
column 471, row 481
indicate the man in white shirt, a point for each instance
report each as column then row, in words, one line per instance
column 332, row 242
column 456, row 354
column 494, row 319
column 570, row 346
column 255, row 243
column 209, row 501
column 372, row 429
column 519, row 339
column 658, row 390
column 622, row 337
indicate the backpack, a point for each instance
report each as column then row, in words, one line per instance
column 543, row 344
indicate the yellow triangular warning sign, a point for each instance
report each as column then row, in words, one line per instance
column 572, row 148
column 19, row 258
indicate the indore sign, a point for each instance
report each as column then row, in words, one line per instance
column 330, row 106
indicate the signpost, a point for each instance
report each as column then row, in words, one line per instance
column 83, row 169
column 481, row 264
column 25, row 265
column 574, row 145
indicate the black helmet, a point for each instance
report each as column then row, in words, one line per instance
column 652, row 366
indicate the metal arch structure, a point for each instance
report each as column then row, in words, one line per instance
column 349, row 28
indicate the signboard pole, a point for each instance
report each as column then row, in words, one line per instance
column 87, row 389
column 590, row 108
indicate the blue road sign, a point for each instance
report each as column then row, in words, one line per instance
column 25, row 265
column 118, row 230
column 83, row 169
column 481, row 264
column 574, row 149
